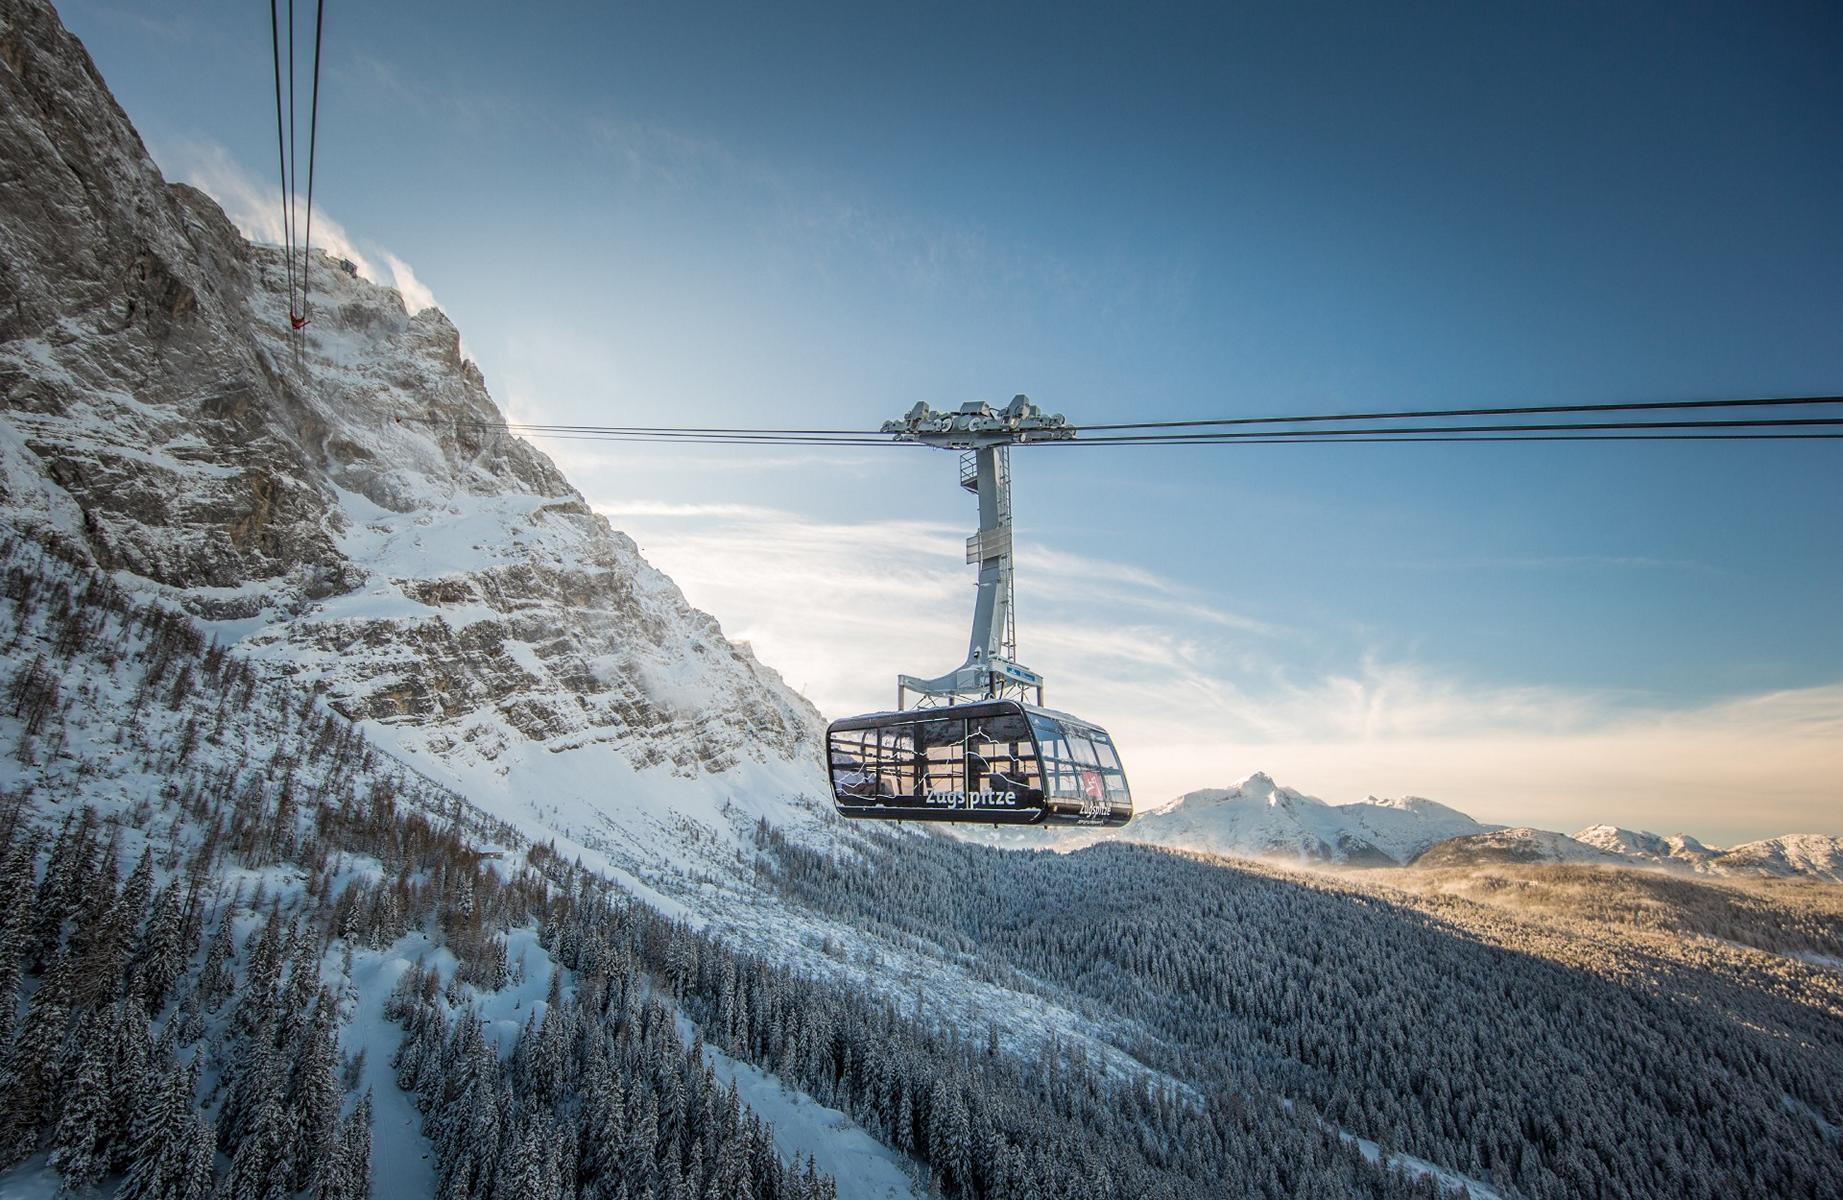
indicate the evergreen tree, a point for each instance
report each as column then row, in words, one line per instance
column 254, row 1078
column 215, row 979
column 79, row 1150
column 314, row 1100
column 351, row 1177
column 164, row 1130
column 949, row 1136
column 604, row 1118
column 160, row 958
column 15, row 929
column 197, row 1166
column 259, row 1169
column 132, row 1085
column 32, row 1070
column 67, row 871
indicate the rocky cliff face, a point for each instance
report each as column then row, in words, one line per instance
column 340, row 503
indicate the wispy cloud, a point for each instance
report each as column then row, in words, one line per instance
column 255, row 208
column 1557, row 562
column 683, row 459
column 1729, row 771
column 475, row 107
column 1127, row 585
column 416, row 294
column 825, row 218
column 1199, row 696
column 163, row 26
column 666, row 508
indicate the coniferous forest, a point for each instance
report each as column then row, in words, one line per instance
column 1545, row 1060
column 199, row 864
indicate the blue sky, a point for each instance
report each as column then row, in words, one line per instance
column 799, row 214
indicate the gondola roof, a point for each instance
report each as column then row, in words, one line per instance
column 874, row 719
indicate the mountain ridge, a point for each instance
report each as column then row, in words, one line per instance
column 1258, row 817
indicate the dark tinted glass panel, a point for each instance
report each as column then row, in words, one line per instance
column 981, row 767
column 1000, row 756
column 1005, row 727
column 939, row 733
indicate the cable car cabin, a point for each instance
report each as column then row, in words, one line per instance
column 995, row 762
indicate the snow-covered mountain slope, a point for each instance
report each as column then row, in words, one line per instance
column 1809, row 855
column 1520, row 845
column 249, row 806
column 1814, row 855
column 355, row 521
column 1679, row 849
column 1260, row 818
column 344, row 504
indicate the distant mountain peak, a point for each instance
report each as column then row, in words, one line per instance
column 1260, row 817
column 1412, row 804
column 1816, row 856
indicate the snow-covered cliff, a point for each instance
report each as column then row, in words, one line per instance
column 341, row 504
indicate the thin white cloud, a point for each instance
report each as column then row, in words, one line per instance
column 1725, row 772
column 255, row 208
column 473, row 107
column 825, row 215
column 1559, row 562
column 1198, row 701
column 1125, row 584
column 663, row 508
column 682, row 460
column 416, row 294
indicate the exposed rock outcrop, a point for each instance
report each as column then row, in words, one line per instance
column 343, row 504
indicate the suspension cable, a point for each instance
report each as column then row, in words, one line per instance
column 1385, row 432
column 1509, row 411
column 1282, row 438
column 293, row 194
column 281, row 142
column 1796, row 427
column 1213, row 431
column 1635, row 432
column 313, row 137
column 287, row 151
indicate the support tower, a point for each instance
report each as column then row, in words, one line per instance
column 984, row 437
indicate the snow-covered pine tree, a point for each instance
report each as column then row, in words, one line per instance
column 314, row 1099
column 31, row 1078
column 159, row 958
column 79, row 1149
